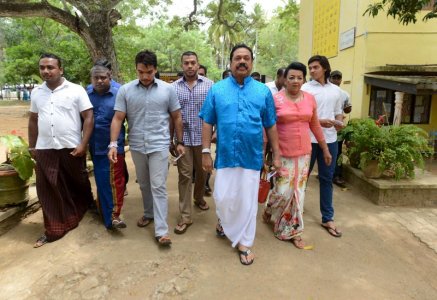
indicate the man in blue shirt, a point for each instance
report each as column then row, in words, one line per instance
column 110, row 178
column 240, row 107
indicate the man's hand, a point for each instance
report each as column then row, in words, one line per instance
column 326, row 123
column 172, row 150
column 79, row 151
column 180, row 149
column 32, row 153
column 112, row 154
column 207, row 162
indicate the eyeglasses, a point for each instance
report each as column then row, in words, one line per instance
column 336, row 77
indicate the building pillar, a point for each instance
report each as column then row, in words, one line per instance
column 399, row 100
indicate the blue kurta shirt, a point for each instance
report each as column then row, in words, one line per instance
column 103, row 106
column 240, row 113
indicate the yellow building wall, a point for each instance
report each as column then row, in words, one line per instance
column 378, row 41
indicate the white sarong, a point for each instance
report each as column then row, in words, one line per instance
column 236, row 200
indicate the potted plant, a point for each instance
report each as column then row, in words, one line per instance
column 362, row 136
column 15, row 171
column 389, row 150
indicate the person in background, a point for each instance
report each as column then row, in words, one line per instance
column 226, row 73
column 105, row 63
column 240, row 107
column 297, row 116
column 58, row 142
column 191, row 90
column 203, row 71
column 278, row 84
column 148, row 104
column 328, row 97
column 256, row 76
column 336, row 78
column 110, row 178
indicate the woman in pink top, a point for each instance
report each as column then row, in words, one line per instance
column 297, row 116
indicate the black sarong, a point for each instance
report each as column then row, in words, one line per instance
column 63, row 189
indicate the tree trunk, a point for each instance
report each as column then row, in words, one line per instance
column 94, row 26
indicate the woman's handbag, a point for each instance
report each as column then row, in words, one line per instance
column 264, row 187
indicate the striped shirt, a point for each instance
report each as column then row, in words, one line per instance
column 191, row 101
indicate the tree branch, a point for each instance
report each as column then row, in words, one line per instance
column 223, row 21
column 42, row 9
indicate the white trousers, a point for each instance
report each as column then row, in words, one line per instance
column 236, row 200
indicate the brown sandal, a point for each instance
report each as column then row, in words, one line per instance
column 163, row 240
column 143, row 221
column 202, row 205
column 182, row 227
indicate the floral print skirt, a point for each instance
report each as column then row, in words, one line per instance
column 284, row 206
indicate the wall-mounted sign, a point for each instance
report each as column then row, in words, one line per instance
column 347, row 39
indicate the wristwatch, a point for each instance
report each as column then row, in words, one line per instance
column 206, row 150
column 113, row 144
column 178, row 142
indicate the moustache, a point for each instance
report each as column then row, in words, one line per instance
column 242, row 65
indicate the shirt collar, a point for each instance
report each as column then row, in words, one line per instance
column 112, row 90
column 138, row 83
column 246, row 80
column 65, row 83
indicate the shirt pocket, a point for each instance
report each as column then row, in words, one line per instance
column 66, row 104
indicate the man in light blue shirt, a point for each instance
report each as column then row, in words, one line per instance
column 148, row 104
column 240, row 107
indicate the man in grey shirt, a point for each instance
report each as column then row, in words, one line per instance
column 148, row 104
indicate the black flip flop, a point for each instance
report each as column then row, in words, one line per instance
column 332, row 231
column 41, row 241
column 246, row 254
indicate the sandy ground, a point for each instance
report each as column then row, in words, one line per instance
column 377, row 258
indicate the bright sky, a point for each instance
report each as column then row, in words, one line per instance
column 184, row 7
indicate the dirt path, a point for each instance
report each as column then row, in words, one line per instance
column 14, row 118
column 377, row 258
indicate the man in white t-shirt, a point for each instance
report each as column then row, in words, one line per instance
column 278, row 84
column 58, row 140
column 329, row 109
column 336, row 78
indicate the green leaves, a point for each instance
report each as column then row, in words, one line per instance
column 398, row 149
column 404, row 10
column 18, row 155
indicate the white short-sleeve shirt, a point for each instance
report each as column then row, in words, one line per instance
column 329, row 100
column 59, row 122
column 272, row 86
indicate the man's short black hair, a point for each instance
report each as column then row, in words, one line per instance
column 226, row 73
column 203, row 67
column 188, row 53
column 296, row 66
column 238, row 46
column 147, row 58
column 51, row 55
column 180, row 74
column 104, row 63
column 255, row 74
column 323, row 60
column 280, row 72
column 100, row 68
